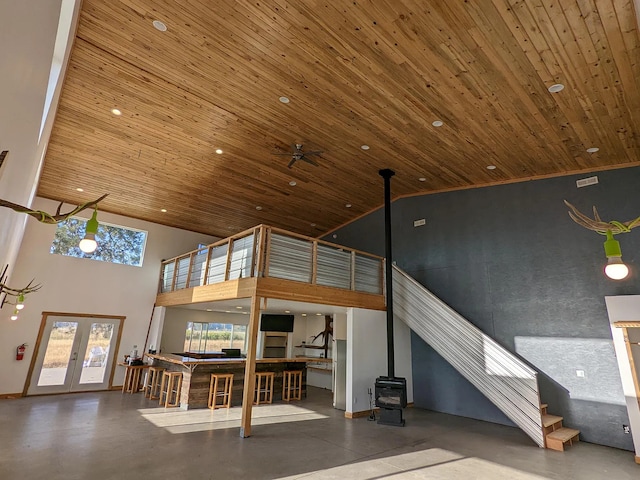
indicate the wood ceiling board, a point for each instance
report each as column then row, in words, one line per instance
column 374, row 72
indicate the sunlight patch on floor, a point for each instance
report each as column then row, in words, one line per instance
column 203, row 419
column 433, row 464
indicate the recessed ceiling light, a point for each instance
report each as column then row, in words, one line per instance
column 284, row 99
column 335, row 235
column 116, row 112
column 239, row 308
column 348, row 205
column 422, row 179
column 437, row 123
column 318, row 314
column 365, row 147
column 258, row 207
column 158, row 25
column 593, row 149
column 245, row 313
column 491, row 167
column 209, row 310
column 304, row 314
column 227, row 311
column 287, row 311
column 555, row 88
column 312, row 224
column 293, row 183
column 80, row 189
column 163, row 210
column 219, row 151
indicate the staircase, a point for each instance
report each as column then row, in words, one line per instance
column 557, row 436
column 502, row 377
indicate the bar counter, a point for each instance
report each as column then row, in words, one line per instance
column 196, row 375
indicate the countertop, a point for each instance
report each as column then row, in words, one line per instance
column 189, row 361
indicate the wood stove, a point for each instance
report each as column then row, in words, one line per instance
column 391, row 397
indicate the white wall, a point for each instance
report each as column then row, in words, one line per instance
column 175, row 325
column 84, row 286
column 27, row 40
column 620, row 309
column 367, row 355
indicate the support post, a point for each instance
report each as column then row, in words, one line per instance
column 387, row 174
column 250, row 368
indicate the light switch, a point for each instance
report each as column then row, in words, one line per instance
column 580, row 373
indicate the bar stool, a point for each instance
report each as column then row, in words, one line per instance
column 264, row 393
column 291, row 385
column 218, row 380
column 152, row 384
column 132, row 378
column 170, row 388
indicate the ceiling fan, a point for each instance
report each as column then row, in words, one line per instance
column 298, row 154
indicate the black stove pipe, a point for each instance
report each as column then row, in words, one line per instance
column 387, row 174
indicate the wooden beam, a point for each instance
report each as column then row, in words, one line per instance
column 250, row 368
column 303, row 292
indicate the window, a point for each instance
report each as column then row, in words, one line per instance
column 213, row 337
column 115, row 244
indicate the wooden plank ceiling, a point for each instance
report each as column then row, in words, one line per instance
column 375, row 73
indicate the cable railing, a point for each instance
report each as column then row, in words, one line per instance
column 265, row 251
column 508, row 382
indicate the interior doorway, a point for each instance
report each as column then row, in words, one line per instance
column 74, row 353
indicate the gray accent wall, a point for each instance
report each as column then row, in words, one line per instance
column 511, row 261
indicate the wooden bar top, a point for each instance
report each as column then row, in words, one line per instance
column 189, row 361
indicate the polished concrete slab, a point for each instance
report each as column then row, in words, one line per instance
column 109, row 435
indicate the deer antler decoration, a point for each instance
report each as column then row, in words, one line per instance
column 17, row 293
column 597, row 225
column 45, row 217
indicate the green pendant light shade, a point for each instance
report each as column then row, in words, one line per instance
column 615, row 268
column 88, row 244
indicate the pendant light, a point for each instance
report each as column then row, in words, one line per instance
column 615, row 268
column 88, row 244
column 20, row 304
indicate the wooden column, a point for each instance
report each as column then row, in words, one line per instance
column 250, row 368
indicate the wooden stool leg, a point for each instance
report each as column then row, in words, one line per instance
column 165, row 379
column 127, row 376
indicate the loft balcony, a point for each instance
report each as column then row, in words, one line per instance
column 273, row 263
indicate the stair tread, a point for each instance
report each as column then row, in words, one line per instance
column 548, row 420
column 543, row 405
column 563, row 434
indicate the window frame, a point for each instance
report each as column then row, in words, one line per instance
column 90, row 256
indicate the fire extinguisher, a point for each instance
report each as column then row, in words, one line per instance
column 20, row 351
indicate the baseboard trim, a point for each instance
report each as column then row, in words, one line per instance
column 637, row 459
column 116, row 387
column 10, row 396
column 363, row 413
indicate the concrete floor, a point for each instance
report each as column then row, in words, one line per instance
column 109, row 435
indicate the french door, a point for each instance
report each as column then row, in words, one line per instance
column 75, row 353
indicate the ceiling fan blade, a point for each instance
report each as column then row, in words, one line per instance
column 308, row 160
column 293, row 160
column 282, row 154
column 317, row 152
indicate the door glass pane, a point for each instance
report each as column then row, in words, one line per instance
column 56, row 358
column 94, row 364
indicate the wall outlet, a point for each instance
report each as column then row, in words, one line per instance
column 626, row 429
column 419, row 223
column 580, row 373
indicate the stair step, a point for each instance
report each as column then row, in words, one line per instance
column 543, row 408
column 558, row 438
column 548, row 420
